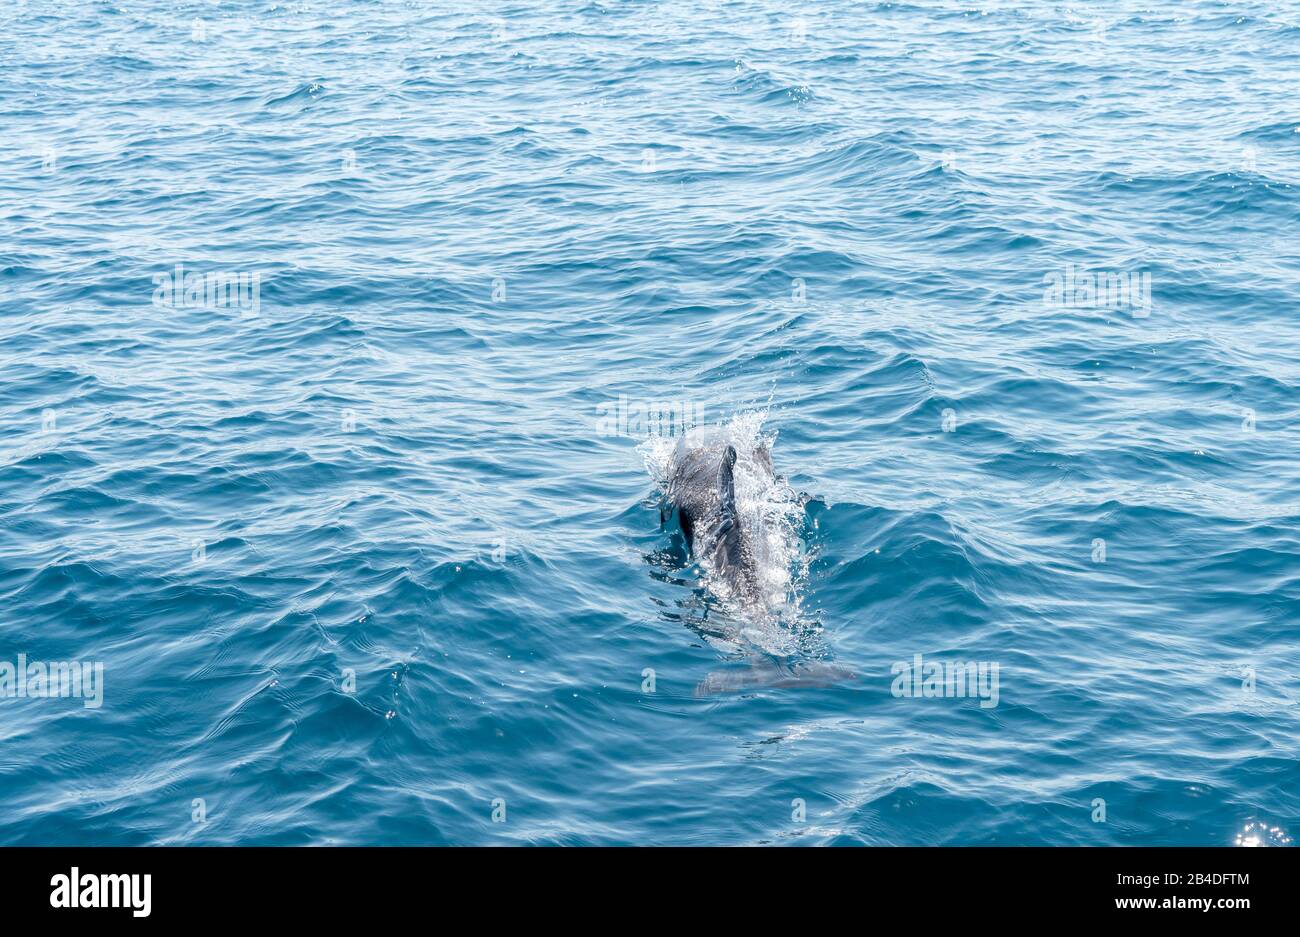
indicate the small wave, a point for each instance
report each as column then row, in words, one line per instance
column 305, row 93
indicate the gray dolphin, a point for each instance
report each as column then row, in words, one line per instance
column 702, row 491
column 773, row 673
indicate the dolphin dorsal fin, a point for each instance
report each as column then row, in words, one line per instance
column 727, row 487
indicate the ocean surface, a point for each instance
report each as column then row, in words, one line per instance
column 359, row 510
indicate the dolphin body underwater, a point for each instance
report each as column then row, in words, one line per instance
column 700, row 491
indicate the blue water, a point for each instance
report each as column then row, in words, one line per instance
column 361, row 564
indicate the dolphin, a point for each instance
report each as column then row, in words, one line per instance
column 701, row 491
column 773, row 673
